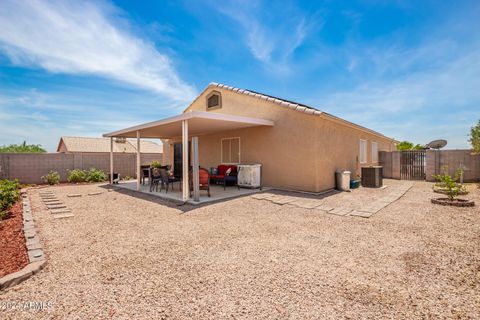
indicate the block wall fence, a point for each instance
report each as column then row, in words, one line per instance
column 29, row 167
column 435, row 160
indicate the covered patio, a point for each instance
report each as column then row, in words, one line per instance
column 187, row 126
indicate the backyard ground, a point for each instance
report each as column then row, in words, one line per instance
column 125, row 256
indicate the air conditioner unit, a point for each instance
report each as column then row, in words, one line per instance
column 249, row 175
column 372, row 177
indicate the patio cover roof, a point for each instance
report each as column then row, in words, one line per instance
column 199, row 122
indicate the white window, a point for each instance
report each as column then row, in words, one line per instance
column 230, row 149
column 374, row 152
column 363, row 151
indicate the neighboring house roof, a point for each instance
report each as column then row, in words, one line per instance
column 85, row 144
column 299, row 107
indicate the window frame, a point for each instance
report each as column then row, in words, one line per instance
column 239, row 150
column 211, row 94
column 363, row 142
column 375, row 152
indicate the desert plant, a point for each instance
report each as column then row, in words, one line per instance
column 95, row 175
column 77, row 175
column 449, row 183
column 53, row 177
column 126, row 178
column 9, row 194
column 155, row 164
column 475, row 137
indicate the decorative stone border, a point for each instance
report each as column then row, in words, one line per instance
column 36, row 256
column 455, row 203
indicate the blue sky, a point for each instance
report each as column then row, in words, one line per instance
column 409, row 69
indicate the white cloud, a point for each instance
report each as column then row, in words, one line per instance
column 77, row 37
column 271, row 39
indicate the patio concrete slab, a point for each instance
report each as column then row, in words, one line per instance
column 217, row 193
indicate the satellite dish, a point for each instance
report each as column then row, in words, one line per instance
column 437, row 144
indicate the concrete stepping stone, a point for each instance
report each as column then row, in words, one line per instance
column 261, row 196
column 282, row 199
column 340, row 211
column 95, row 193
column 74, row 195
column 324, row 208
column 361, row 214
column 62, row 210
column 49, row 198
column 56, row 206
column 50, row 201
column 63, row 215
column 306, row 203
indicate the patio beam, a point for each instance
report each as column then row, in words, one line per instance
column 111, row 160
column 186, row 186
column 138, row 160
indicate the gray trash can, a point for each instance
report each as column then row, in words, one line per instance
column 342, row 178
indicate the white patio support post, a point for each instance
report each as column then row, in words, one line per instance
column 185, row 184
column 138, row 160
column 195, row 164
column 111, row 160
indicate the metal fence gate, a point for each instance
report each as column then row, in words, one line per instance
column 412, row 164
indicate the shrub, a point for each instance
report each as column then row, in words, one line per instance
column 77, row 175
column 51, row 178
column 155, row 164
column 9, row 194
column 445, row 181
column 96, row 175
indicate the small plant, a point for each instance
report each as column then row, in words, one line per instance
column 449, row 184
column 126, row 178
column 77, row 175
column 53, row 177
column 155, row 164
column 9, row 194
column 96, row 175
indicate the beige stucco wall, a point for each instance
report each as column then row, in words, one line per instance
column 301, row 151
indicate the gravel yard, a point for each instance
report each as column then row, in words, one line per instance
column 136, row 257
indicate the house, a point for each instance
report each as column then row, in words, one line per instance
column 102, row 145
column 299, row 147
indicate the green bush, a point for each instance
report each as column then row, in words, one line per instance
column 53, row 177
column 96, row 175
column 9, row 194
column 77, row 175
column 155, row 164
column 449, row 184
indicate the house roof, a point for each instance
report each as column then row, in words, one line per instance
column 299, row 107
column 86, row 144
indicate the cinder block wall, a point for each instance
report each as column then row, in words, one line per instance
column 30, row 167
column 436, row 159
column 454, row 159
column 390, row 161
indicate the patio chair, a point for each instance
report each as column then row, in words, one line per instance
column 155, row 178
column 226, row 174
column 145, row 173
column 203, row 180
